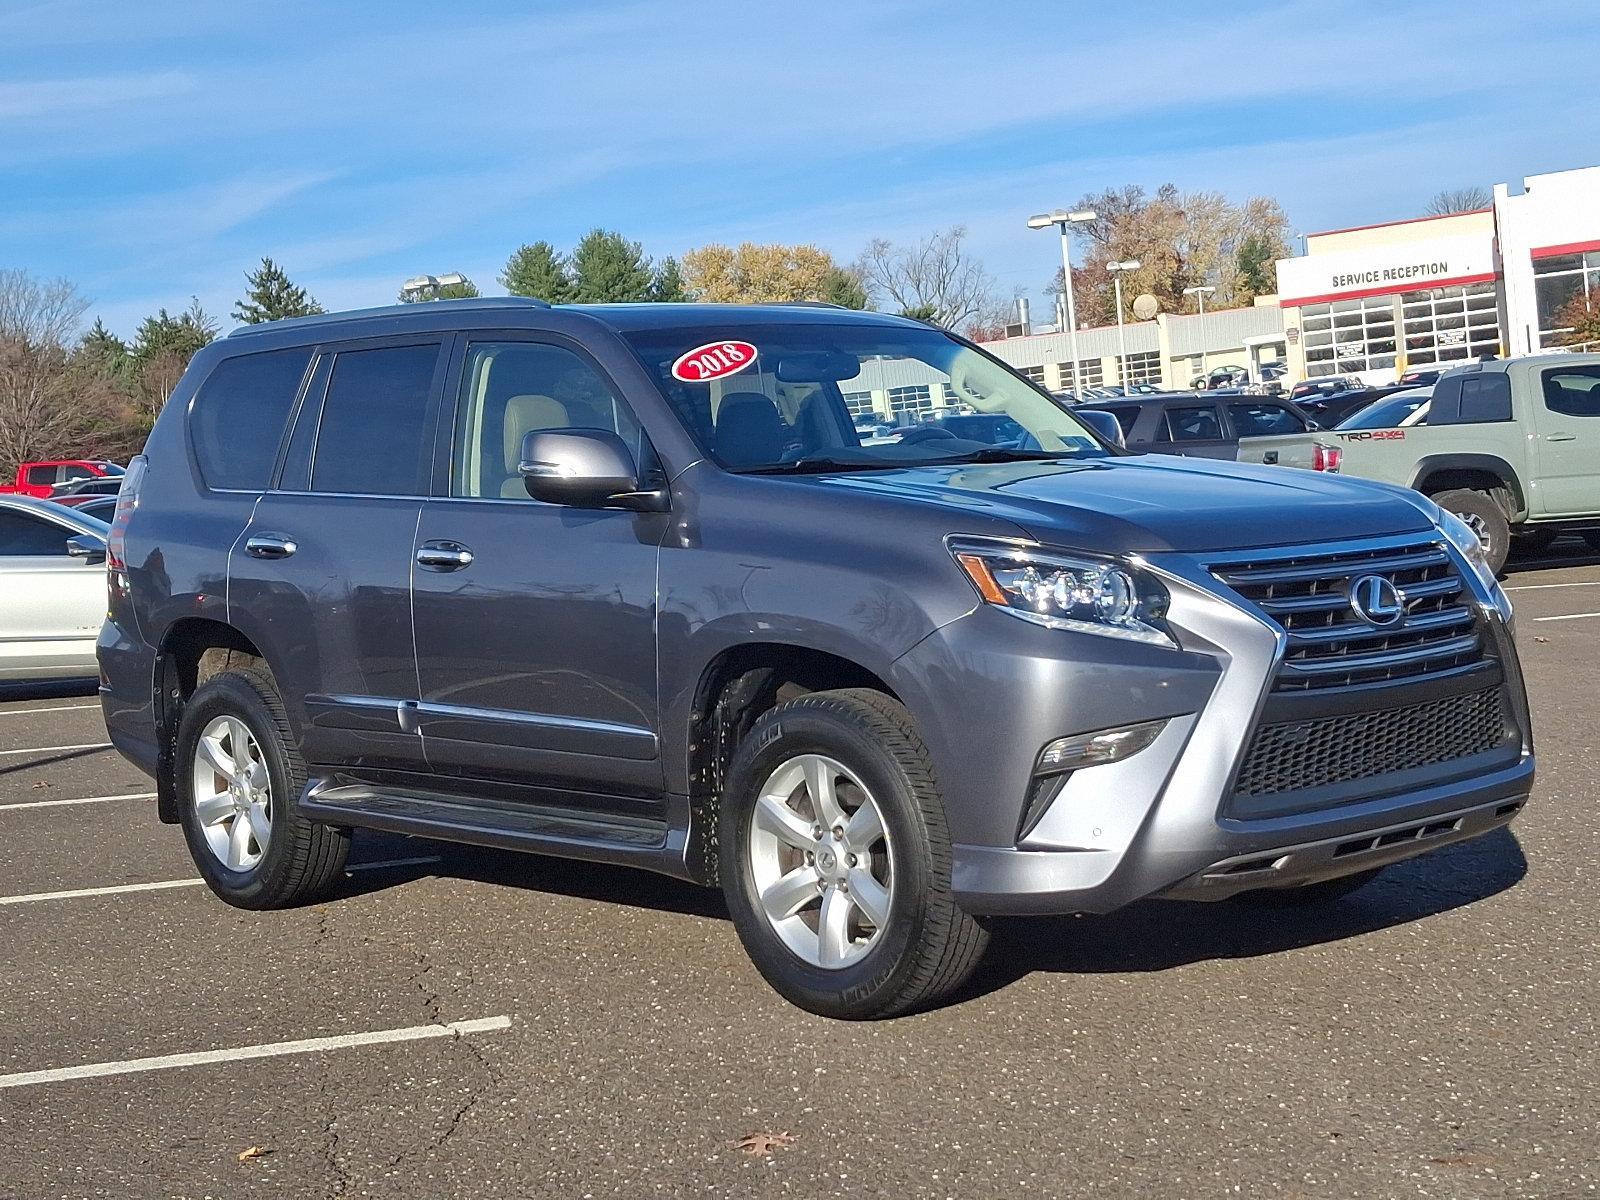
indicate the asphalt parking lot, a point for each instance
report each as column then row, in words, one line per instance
column 463, row 1023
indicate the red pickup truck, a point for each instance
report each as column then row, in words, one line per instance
column 45, row 479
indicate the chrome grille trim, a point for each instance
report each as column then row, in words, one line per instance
column 1303, row 591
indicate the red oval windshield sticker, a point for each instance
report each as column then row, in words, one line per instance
column 714, row 360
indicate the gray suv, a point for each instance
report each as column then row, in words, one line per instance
column 622, row 584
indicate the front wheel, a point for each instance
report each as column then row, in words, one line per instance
column 1486, row 518
column 835, row 859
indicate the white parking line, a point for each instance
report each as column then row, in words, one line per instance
column 79, row 800
column 1569, row 617
column 24, row 712
column 165, row 884
column 167, row 1062
column 1539, row 587
column 55, row 749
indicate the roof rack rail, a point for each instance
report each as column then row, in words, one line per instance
column 799, row 304
column 388, row 310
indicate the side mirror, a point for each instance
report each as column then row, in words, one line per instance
column 584, row 468
column 1104, row 424
column 88, row 547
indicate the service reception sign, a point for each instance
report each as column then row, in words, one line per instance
column 1384, row 270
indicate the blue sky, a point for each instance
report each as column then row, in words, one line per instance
column 150, row 152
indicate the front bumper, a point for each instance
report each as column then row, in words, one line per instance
column 1160, row 823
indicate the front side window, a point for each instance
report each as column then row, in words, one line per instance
column 374, row 436
column 1193, row 424
column 1573, row 391
column 1263, row 420
column 237, row 419
column 24, row 535
column 784, row 409
column 510, row 389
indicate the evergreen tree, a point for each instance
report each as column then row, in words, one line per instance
column 668, row 286
column 182, row 335
column 272, row 296
column 606, row 267
column 538, row 270
column 103, row 352
column 844, row 288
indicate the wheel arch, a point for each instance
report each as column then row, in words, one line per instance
column 1478, row 472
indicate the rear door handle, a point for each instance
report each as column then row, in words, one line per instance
column 1560, row 437
column 269, row 545
column 443, row 556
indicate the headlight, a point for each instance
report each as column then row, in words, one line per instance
column 1461, row 536
column 1068, row 591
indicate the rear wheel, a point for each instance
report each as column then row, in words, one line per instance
column 1486, row 518
column 835, row 859
column 238, row 779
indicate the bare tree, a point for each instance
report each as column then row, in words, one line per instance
column 1458, row 200
column 936, row 278
column 39, row 312
column 39, row 320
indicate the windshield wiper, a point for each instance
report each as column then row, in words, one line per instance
column 995, row 454
column 820, row 462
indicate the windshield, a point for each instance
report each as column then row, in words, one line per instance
column 1388, row 412
column 770, row 398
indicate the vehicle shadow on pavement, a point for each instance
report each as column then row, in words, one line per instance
column 1158, row 935
column 62, row 689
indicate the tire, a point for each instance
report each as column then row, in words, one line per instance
column 1484, row 514
column 869, row 750
column 300, row 861
column 1312, row 893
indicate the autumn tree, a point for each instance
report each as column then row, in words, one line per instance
column 764, row 273
column 537, row 269
column 273, row 296
column 1579, row 319
column 937, row 276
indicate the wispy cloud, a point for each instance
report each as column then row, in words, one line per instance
column 45, row 98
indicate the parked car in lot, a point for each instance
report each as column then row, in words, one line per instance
column 52, row 590
column 86, row 489
column 620, row 583
column 41, row 479
column 1398, row 411
column 1512, row 447
column 1203, row 425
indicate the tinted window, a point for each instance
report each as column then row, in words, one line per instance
column 1263, row 420
column 1127, row 417
column 42, row 476
column 1193, row 424
column 24, row 534
column 509, row 389
column 1573, row 391
column 238, row 417
column 374, row 436
column 1446, row 407
column 1486, row 397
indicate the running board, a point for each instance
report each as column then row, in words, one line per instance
column 626, row 841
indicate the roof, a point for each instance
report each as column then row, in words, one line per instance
column 617, row 316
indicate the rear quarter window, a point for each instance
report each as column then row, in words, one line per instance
column 238, row 417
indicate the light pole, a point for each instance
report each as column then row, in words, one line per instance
column 1118, row 269
column 426, row 287
column 1200, row 294
column 1065, row 220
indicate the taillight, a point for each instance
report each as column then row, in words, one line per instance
column 127, row 501
column 1324, row 458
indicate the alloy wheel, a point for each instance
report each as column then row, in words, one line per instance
column 232, row 792
column 821, row 861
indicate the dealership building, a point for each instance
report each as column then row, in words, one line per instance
column 1373, row 301
column 1379, row 300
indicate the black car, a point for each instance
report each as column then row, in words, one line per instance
column 1203, row 424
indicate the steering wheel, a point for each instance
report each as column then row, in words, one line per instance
column 925, row 433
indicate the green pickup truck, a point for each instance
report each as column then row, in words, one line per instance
column 1511, row 447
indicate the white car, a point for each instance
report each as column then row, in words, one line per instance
column 52, row 589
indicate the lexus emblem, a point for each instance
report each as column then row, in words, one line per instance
column 1377, row 601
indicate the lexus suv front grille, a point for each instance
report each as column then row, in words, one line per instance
column 1315, row 596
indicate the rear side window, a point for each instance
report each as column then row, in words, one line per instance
column 374, row 436
column 1127, row 417
column 1193, row 424
column 1573, row 391
column 238, row 417
column 1263, row 420
column 24, row 535
column 1486, row 397
column 42, row 476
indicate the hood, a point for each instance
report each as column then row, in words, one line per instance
column 1150, row 503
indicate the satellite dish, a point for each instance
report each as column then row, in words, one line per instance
column 1145, row 307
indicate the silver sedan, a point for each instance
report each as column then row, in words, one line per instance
column 52, row 589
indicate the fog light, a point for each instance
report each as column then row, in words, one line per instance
column 1097, row 749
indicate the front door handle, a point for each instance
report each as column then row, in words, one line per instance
column 1560, row 437
column 443, row 556
column 269, row 545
